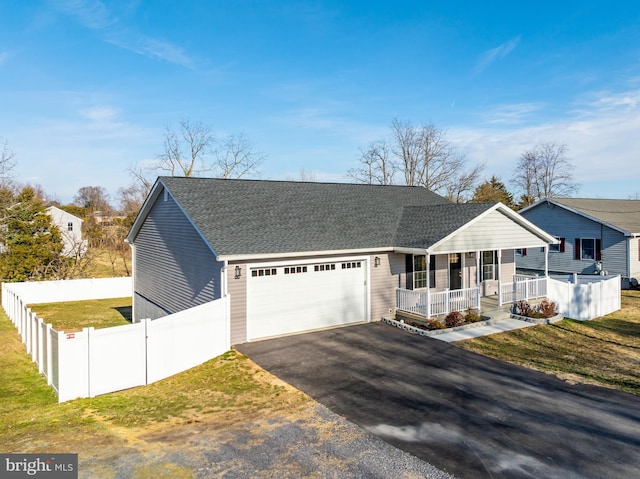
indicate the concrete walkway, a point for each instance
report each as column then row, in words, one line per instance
column 497, row 327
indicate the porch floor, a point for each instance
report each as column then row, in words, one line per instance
column 489, row 308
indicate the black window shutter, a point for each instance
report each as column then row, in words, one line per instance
column 598, row 250
column 524, row 251
column 577, row 249
column 409, row 268
column 562, row 245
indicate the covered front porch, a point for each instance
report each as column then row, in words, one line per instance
column 429, row 304
column 453, row 271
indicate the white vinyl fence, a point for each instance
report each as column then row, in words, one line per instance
column 98, row 361
column 585, row 297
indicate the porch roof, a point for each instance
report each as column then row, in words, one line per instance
column 467, row 227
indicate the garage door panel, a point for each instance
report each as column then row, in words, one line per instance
column 284, row 303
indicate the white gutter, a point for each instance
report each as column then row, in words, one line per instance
column 300, row 254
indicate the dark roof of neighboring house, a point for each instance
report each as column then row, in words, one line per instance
column 248, row 217
column 623, row 215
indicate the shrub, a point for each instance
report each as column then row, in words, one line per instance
column 548, row 309
column 436, row 324
column 453, row 319
column 522, row 308
column 472, row 316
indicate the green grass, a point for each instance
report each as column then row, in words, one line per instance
column 75, row 315
column 225, row 389
column 604, row 351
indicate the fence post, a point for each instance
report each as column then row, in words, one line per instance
column 447, row 300
column 49, row 355
column 89, row 332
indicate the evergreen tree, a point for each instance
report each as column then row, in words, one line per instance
column 32, row 245
column 492, row 191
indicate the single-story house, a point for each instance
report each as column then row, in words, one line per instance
column 595, row 236
column 70, row 227
column 296, row 256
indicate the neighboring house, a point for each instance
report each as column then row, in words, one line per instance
column 70, row 227
column 595, row 236
column 297, row 256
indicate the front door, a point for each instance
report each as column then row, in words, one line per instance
column 455, row 271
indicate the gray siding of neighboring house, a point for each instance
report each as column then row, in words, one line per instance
column 565, row 224
column 175, row 269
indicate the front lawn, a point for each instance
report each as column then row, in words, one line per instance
column 221, row 391
column 604, row 351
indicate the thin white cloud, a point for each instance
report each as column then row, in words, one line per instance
column 494, row 54
column 150, row 47
column 599, row 134
column 92, row 14
column 95, row 15
column 100, row 114
column 511, row 114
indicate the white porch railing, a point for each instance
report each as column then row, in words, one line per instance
column 442, row 302
column 522, row 289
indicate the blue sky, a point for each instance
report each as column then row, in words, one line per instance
column 88, row 87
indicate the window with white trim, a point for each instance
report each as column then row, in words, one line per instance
column 557, row 248
column 489, row 265
column 420, row 271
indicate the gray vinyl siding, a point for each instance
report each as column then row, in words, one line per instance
column 237, row 288
column 385, row 279
column 175, row 269
column 565, row 224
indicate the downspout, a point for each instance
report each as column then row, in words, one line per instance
column 133, row 279
column 223, row 279
column 546, row 260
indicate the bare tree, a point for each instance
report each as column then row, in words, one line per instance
column 131, row 199
column 185, row 151
column 422, row 156
column 376, row 165
column 461, row 190
column 545, row 171
column 7, row 163
column 193, row 150
column 426, row 157
column 92, row 198
column 236, row 157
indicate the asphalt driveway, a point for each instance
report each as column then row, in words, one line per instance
column 461, row 412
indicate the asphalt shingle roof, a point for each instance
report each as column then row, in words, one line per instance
column 261, row 217
column 623, row 214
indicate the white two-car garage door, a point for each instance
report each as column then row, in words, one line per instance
column 292, row 298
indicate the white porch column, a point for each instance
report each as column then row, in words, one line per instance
column 428, row 266
column 478, row 278
column 499, row 275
